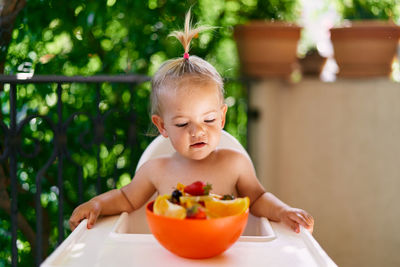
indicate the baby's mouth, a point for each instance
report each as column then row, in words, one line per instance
column 198, row 145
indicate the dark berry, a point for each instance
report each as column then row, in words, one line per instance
column 176, row 194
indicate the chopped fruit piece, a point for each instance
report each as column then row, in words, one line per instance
column 176, row 194
column 228, row 197
column 194, row 199
column 215, row 196
column 220, row 208
column 180, row 187
column 162, row 206
column 196, row 202
column 196, row 212
column 198, row 189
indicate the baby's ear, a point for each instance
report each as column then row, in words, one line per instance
column 224, row 109
column 159, row 123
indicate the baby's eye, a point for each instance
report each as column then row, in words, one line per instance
column 209, row 121
column 181, row 124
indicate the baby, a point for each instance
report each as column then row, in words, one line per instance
column 188, row 107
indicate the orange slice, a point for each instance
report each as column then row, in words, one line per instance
column 162, row 206
column 221, row 208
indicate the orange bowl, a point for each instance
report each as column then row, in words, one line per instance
column 193, row 238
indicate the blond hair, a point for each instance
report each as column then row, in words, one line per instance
column 171, row 71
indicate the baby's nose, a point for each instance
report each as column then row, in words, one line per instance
column 196, row 130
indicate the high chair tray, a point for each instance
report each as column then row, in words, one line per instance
column 102, row 246
column 133, row 227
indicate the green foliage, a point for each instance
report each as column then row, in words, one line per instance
column 280, row 10
column 369, row 9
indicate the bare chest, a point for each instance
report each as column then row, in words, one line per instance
column 221, row 178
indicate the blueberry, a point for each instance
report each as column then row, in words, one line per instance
column 175, row 196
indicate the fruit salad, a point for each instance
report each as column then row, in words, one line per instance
column 195, row 201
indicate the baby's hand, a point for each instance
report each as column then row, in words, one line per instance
column 89, row 210
column 295, row 217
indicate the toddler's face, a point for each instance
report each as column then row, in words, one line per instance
column 192, row 117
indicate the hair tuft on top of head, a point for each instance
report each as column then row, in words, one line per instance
column 188, row 33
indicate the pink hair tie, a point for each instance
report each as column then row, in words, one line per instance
column 186, row 56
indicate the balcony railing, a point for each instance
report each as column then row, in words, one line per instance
column 103, row 120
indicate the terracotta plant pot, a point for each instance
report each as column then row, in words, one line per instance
column 267, row 48
column 365, row 48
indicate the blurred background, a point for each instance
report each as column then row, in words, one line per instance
column 322, row 131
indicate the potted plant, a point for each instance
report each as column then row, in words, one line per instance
column 267, row 40
column 366, row 43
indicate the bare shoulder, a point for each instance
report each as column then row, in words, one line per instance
column 154, row 164
column 144, row 183
column 233, row 156
column 240, row 166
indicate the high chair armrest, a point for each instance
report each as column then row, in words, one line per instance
column 319, row 254
column 69, row 244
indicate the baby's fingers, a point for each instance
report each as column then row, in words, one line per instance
column 92, row 219
column 310, row 222
column 294, row 225
column 303, row 219
column 74, row 222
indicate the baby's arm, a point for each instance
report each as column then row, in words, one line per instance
column 265, row 204
column 128, row 198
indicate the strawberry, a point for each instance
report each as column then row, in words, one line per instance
column 198, row 189
column 196, row 212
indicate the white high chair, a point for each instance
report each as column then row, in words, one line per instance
column 128, row 236
column 162, row 146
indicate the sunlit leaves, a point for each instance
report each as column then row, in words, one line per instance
column 156, row 60
column 78, row 31
column 61, row 44
column 110, row 3
column 94, row 65
column 123, row 180
column 369, row 9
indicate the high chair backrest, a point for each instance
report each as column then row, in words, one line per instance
column 161, row 146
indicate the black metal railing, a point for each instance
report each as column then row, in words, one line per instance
column 15, row 161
